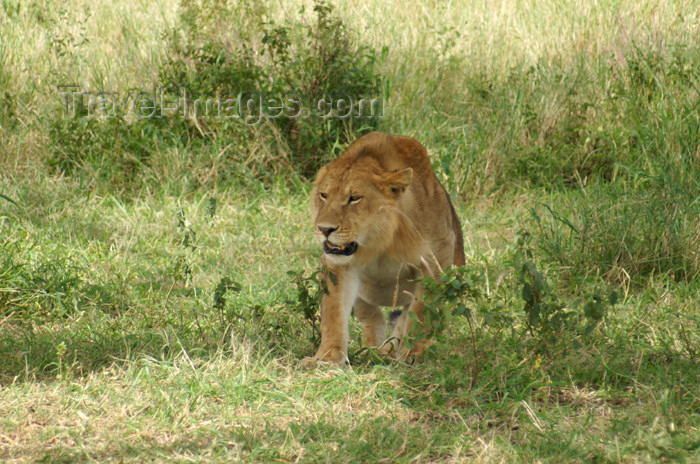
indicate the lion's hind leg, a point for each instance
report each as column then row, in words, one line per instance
column 407, row 338
column 372, row 321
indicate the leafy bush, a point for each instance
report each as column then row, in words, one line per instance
column 300, row 82
column 546, row 319
column 269, row 96
column 113, row 150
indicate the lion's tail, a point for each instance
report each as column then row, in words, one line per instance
column 459, row 259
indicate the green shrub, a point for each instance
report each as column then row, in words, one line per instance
column 523, row 304
column 283, row 71
column 307, row 305
column 113, row 150
column 548, row 314
column 226, row 72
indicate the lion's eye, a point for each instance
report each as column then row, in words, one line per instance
column 354, row 200
column 323, row 196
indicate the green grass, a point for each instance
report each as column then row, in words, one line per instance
column 568, row 136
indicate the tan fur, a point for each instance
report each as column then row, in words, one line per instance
column 383, row 195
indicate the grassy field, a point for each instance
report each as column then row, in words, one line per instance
column 156, row 274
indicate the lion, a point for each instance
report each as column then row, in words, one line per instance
column 384, row 221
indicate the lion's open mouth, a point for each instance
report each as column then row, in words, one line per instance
column 345, row 250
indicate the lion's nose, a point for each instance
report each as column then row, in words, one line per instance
column 325, row 230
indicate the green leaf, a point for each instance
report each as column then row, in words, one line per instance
column 613, row 297
column 538, row 281
column 527, row 292
column 461, row 310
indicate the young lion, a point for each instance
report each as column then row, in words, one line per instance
column 383, row 220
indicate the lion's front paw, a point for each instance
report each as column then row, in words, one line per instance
column 332, row 356
column 309, row 363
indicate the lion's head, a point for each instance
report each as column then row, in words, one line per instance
column 354, row 206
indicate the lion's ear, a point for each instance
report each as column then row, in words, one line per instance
column 319, row 176
column 397, row 181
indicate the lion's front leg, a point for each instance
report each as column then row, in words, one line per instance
column 336, row 306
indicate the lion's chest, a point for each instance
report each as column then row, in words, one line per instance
column 388, row 283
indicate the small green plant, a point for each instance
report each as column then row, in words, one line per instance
column 63, row 371
column 309, row 290
column 547, row 315
column 187, row 241
column 185, row 263
column 227, row 316
column 457, row 291
column 188, row 244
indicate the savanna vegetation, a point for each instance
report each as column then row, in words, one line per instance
column 158, row 274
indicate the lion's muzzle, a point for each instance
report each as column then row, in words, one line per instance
column 345, row 250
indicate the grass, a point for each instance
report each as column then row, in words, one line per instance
column 147, row 311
